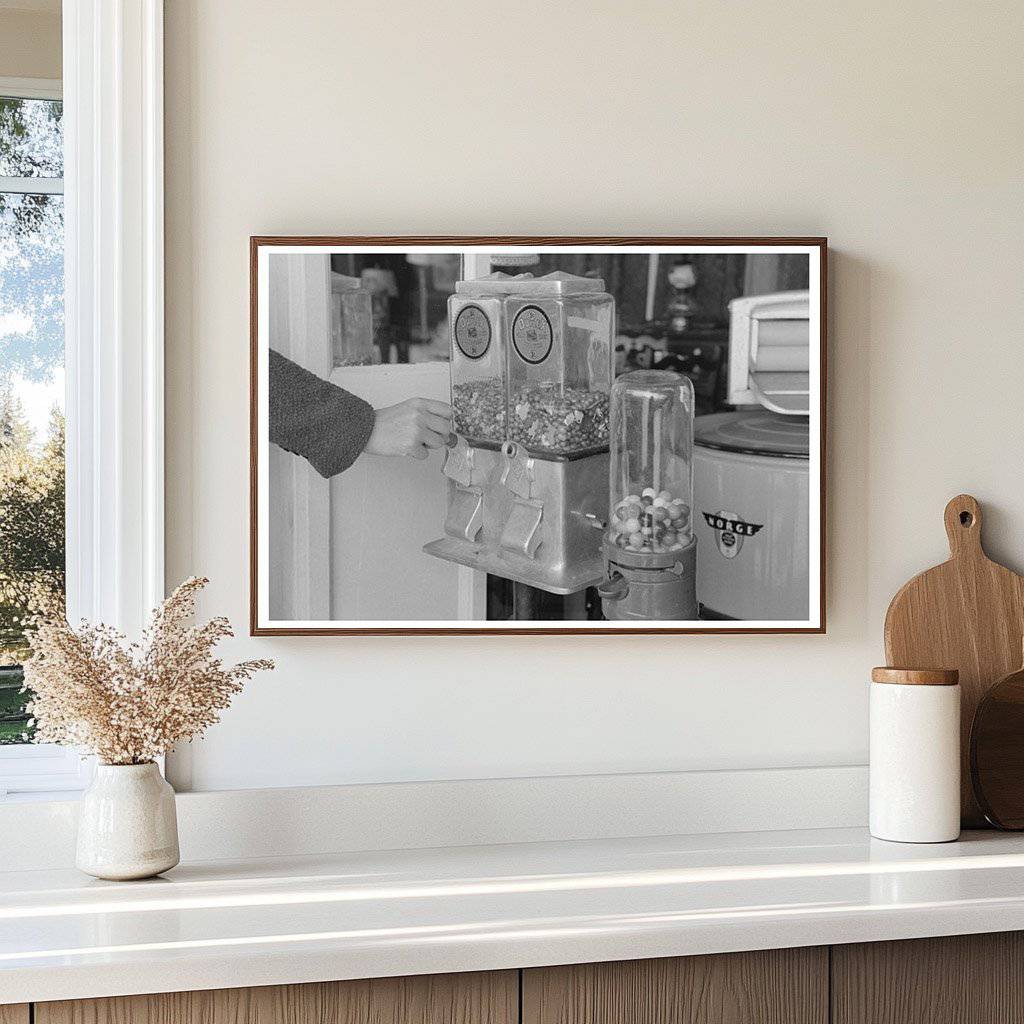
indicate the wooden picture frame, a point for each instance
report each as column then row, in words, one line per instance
column 261, row 624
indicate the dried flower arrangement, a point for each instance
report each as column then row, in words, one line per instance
column 129, row 703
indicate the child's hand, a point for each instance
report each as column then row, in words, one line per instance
column 410, row 428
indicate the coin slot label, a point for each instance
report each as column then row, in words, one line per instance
column 472, row 332
column 532, row 336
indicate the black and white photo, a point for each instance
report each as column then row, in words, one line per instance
column 548, row 434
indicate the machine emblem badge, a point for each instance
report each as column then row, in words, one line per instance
column 532, row 335
column 730, row 531
column 473, row 332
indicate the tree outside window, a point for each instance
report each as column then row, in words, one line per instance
column 31, row 385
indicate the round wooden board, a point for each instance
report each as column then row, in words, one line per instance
column 997, row 753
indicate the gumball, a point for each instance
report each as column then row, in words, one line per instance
column 631, row 525
column 636, row 539
column 621, row 540
column 646, row 549
column 649, row 492
column 669, row 537
column 665, row 496
column 660, row 502
column 635, row 508
column 660, row 514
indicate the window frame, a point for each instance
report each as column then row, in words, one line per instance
column 37, row 767
column 31, row 88
column 112, row 91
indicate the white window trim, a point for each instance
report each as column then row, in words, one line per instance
column 31, row 88
column 114, row 322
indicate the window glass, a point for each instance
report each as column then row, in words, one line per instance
column 31, row 138
column 31, row 387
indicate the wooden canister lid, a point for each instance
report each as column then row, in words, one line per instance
column 916, row 676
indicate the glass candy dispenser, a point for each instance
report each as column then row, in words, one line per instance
column 527, row 468
column 479, row 391
column 649, row 546
column 559, row 365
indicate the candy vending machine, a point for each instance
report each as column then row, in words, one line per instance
column 527, row 465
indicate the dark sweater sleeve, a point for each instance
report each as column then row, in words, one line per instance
column 326, row 425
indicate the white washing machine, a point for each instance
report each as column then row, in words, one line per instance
column 752, row 499
column 750, row 470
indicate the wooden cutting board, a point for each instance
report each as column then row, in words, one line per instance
column 967, row 614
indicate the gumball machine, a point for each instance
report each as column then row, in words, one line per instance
column 527, row 466
column 649, row 548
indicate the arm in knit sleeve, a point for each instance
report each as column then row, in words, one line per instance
column 327, row 425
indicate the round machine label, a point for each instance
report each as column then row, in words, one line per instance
column 532, row 335
column 472, row 331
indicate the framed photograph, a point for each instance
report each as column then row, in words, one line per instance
column 537, row 435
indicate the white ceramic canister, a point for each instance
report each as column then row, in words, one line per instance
column 127, row 824
column 915, row 755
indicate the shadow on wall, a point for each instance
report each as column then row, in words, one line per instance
column 847, row 472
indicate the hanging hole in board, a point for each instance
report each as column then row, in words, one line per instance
column 966, row 518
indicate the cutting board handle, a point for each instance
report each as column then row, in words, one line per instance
column 963, row 526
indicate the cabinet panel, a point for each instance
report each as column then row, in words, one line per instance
column 780, row 986
column 962, row 979
column 14, row 1014
column 480, row 998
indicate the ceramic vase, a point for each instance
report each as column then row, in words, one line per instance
column 127, row 825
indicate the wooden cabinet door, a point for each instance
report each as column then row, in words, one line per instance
column 480, row 998
column 14, row 1014
column 962, row 979
column 779, row 986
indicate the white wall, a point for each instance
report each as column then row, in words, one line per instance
column 30, row 39
column 895, row 129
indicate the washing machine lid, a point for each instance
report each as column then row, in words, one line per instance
column 754, row 432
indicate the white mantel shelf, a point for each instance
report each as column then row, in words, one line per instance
column 355, row 915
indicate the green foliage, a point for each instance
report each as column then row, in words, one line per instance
column 14, row 721
column 31, row 542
